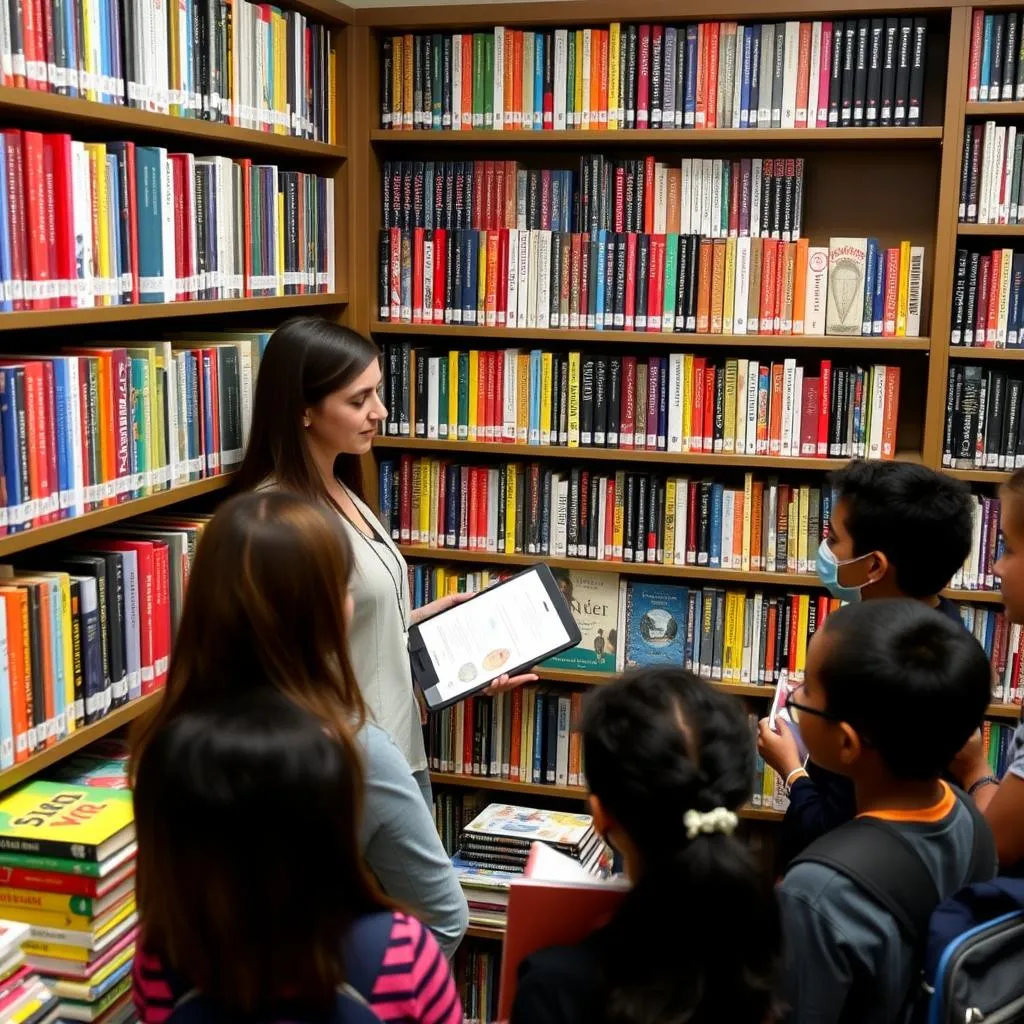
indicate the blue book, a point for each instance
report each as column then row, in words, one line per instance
column 878, row 296
column 715, row 538
column 690, row 104
column 747, row 75
column 567, row 192
column 556, row 201
column 662, row 403
column 668, row 78
column 149, row 219
column 602, row 283
column 986, row 58
column 65, row 472
column 9, row 417
column 104, row 47
column 533, row 435
column 71, row 48
column 451, row 508
column 387, row 478
column 692, row 597
column 6, row 275
column 539, row 717
column 655, row 621
column 871, row 261
column 755, row 74
column 538, row 81
column 855, row 439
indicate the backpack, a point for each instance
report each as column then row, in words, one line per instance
column 880, row 860
column 364, row 951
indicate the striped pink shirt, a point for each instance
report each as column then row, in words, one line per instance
column 414, row 984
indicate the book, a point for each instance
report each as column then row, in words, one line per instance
column 652, row 617
column 594, row 599
column 847, row 260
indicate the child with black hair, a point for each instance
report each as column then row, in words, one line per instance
column 893, row 689
column 669, row 762
column 897, row 529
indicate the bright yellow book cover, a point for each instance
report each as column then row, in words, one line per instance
column 545, row 397
column 435, row 472
column 613, row 75
column 577, row 86
column 670, row 521
column 574, row 400
column 803, row 611
column 85, row 991
column 620, row 502
column 729, row 301
column 801, row 544
column 511, row 497
column 731, row 633
column 474, row 383
column 729, row 431
column 426, row 472
column 522, row 397
column 687, row 401
column 903, row 291
column 56, row 819
column 414, row 504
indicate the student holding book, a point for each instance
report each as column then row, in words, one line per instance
column 254, row 899
column 268, row 608
column 1003, row 801
column 892, row 690
column 896, row 530
column 316, row 412
column 669, row 762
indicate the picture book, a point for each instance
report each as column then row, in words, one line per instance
column 652, row 619
column 594, row 599
column 525, row 825
column 62, row 820
column 103, row 764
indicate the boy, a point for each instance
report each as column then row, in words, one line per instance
column 893, row 690
column 896, row 530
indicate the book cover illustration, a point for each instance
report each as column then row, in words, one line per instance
column 594, row 600
column 527, row 824
column 655, row 624
column 847, row 262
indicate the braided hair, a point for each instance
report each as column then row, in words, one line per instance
column 698, row 937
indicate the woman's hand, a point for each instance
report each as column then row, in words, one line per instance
column 442, row 604
column 779, row 749
column 506, row 682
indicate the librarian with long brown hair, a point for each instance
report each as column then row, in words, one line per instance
column 316, row 412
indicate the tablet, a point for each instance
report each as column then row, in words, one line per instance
column 504, row 629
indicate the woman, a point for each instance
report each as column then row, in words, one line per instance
column 267, row 607
column 254, row 900
column 669, row 761
column 315, row 414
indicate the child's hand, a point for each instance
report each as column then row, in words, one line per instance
column 779, row 749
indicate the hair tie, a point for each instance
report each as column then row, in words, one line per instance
column 720, row 819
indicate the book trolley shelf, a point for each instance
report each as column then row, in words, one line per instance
column 47, row 330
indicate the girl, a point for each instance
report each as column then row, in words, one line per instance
column 669, row 760
column 252, row 892
column 315, row 414
column 267, row 607
column 1003, row 802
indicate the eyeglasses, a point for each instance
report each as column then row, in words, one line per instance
column 796, row 709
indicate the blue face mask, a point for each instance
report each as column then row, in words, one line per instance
column 828, row 573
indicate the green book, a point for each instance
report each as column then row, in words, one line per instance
column 436, row 96
column 570, row 79
column 489, row 80
column 141, row 427
column 668, row 320
column 463, row 424
column 478, row 79
column 442, row 397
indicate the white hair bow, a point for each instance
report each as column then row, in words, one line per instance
column 719, row 819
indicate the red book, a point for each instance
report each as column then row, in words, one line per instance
column 648, row 210
column 481, row 394
column 708, row 427
column 825, row 394
column 653, row 391
column 711, row 73
column 700, row 100
column 59, row 150
column 405, row 499
column 34, row 182
column 981, row 313
column 55, row 286
column 824, row 77
column 545, row 200
column 994, row 278
column 120, row 367
column 803, row 72
column 974, row 62
column 499, row 402
column 502, row 280
column 619, row 212
column 440, row 273
column 809, row 413
column 575, row 256
column 656, row 284
column 395, row 283
column 516, row 735
column 35, row 55
column 891, row 408
column 769, row 285
column 630, row 280
column 490, row 219
column 585, row 314
column 468, row 710
column 695, row 441
column 417, row 275
column 692, row 520
column 162, row 612
column 35, row 422
column 627, row 406
column 643, row 76
column 477, row 212
column 892, row 281
column 181, row 292
column 211, row 355
column 16, row 216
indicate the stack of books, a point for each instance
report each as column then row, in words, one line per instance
column 486, row 891
column 68, row 858
column 23, row 997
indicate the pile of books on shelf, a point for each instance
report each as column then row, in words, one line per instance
column 23, row 996
column 68, row 856
column 988, row 304
column 794, row 74
column 239, row 63
column 1001, row 640
column 984, row 409
column 987, row 545
column 129, row 223
column 990, row 175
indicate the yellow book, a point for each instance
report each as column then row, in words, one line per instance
column 802, row 553
column 79, row 953
column 729, row 431
column 574, row 400
column 748, row 501
column 281, row 77
column 904, row 290
column 613, row 75
column 435, row 470
column 522, row 397
column 729, row 300
column 741, row 625
column 426, row 472
column 803, row 614
column 741, row 407
column 26, row 1012
column 453, row 395
column 89, row 47
column 577, row 85
column 474, row 383
column 510, row 508
column 85, row 991
column 670, row 521
column 174, row 60
column 526, row 742
column 794, row 520
column 98, row 169
column 48, row 918
column 407, row 80
column 729, row 646
column 620, row 506
column 397, row 79
column 546, row 360
column 414, row 503
column 687, row 402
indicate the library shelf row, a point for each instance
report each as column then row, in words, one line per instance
column 41, row 318
column 561, row 792
column 998, row 230
column 627, row 455
column 647, row 137
column 78, row 739
column 14, row 542
column 970, row 354
column 663, row 338
column 68, row 113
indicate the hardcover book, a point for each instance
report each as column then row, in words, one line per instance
column 594, row 599
column 847, row 262
column 653, row 623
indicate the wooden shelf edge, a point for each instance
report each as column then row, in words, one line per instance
column 977, row 596
column 647, row 137
column 480, row 931
column 38, row 318
column 969, row 352
column 77, row 740
column 684, row 340
column 70, row 110
column 33, row 538
column 994, row 109
column 990, row 229
column 979, row 476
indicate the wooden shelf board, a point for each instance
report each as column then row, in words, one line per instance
column 480, row 931
column 584, row 678
column 68, row 111
column 78, row 739
column 1003, row 711
column 611, row 337
column 1008, row 354
column 605, row 454
column 979, row 476
column 14, row 542
column 647, row 138
column 976, row 596
column 1011, row 108
column 990, row 229
column 38, row 318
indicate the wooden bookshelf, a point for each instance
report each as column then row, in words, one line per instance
column 997, row 230
column 78, row 739
column 490, row 932
column 971, row 354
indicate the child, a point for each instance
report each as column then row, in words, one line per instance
column 892, row 691
column 253, row 897
column 1003, row 802
column 896, row 530
column 669, row 761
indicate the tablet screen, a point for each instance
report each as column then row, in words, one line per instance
column 502, row 629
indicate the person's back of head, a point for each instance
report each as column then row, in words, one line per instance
column 669, row 761
column 897, row 529
column 893, row 689
column 249, row 871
